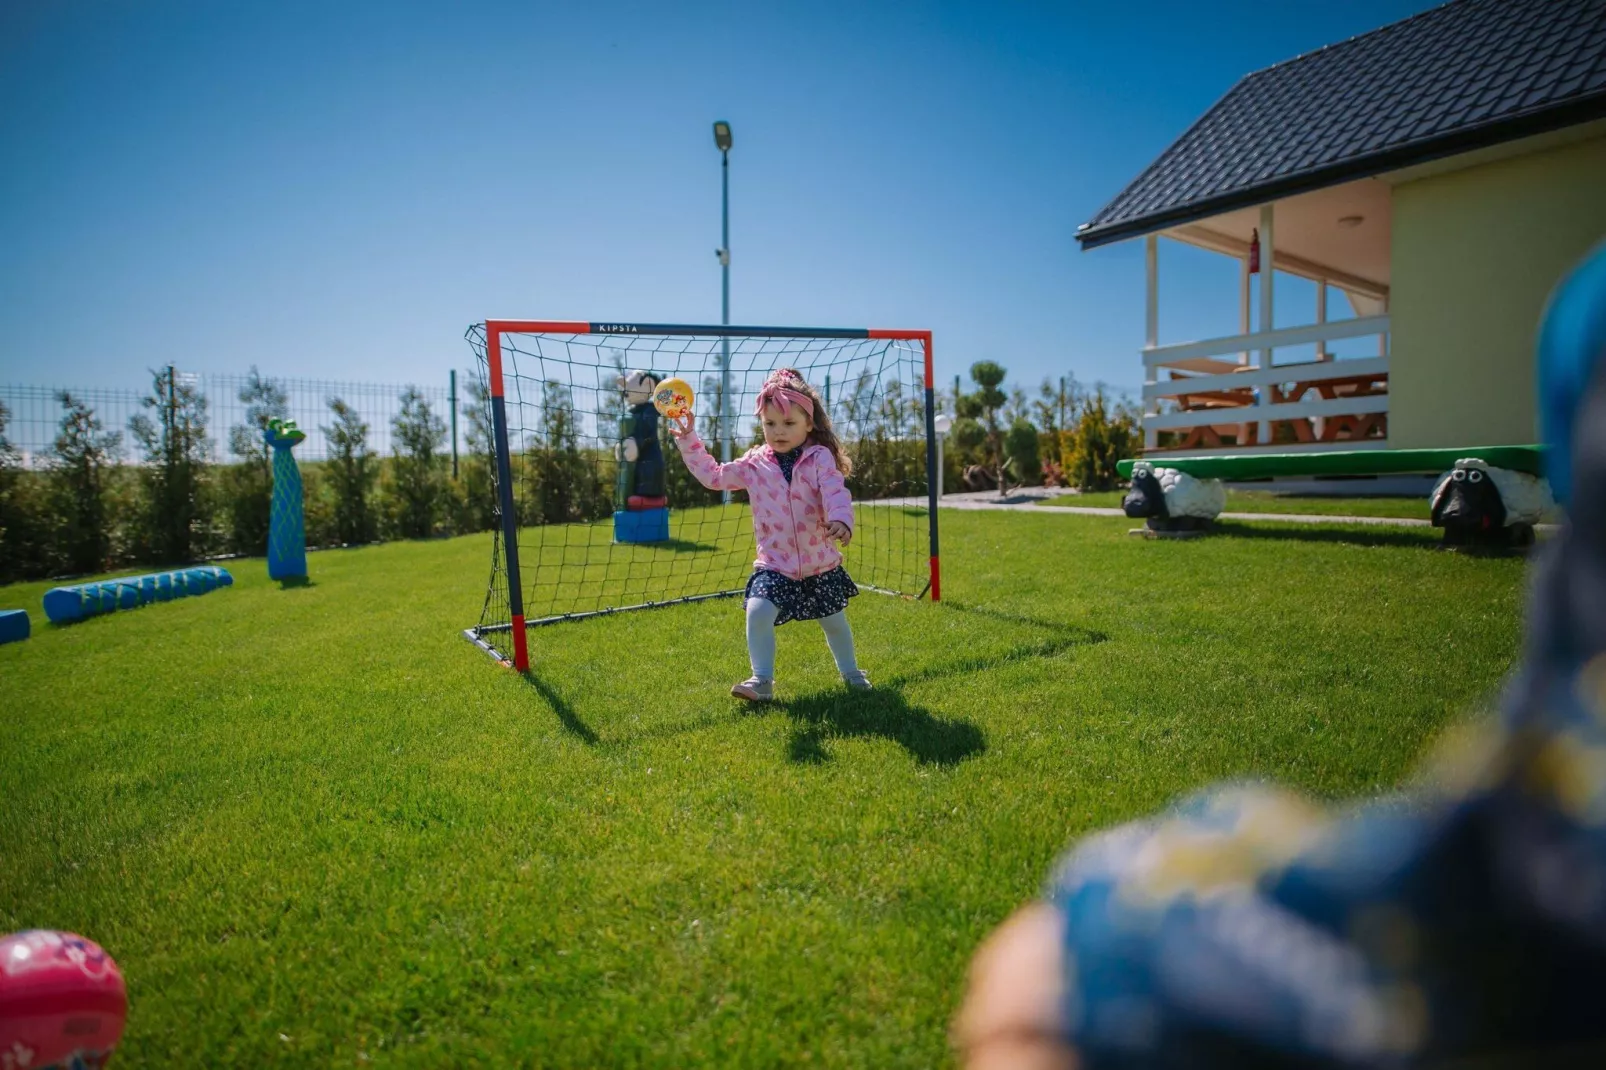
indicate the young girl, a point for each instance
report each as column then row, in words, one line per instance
column 800, row 504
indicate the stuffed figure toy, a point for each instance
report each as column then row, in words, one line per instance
column 641, row 459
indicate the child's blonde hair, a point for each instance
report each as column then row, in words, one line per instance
column 783, row 381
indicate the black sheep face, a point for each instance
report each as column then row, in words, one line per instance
column 1144, row 498
column 1470, row 503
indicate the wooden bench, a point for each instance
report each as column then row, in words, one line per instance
column 1527, row 459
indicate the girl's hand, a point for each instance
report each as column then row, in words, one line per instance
column 681, row 427
column 839, row 531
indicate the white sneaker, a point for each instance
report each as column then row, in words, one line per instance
column 857, row 681
column 755, row 690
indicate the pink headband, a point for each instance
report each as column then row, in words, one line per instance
column 783, row 399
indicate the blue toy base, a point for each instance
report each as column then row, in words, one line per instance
column 649, row 525
column 13, row 625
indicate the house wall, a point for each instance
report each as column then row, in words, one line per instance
column 1475, row 254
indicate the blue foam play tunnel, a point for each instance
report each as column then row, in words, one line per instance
column 66, row 604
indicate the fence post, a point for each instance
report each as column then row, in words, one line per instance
column 452, row 398
column 828, row 393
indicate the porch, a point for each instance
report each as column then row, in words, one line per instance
column 1239, row 394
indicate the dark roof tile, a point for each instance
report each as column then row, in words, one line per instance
column 1464, row 75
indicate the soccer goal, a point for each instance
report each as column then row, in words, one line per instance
column 596, row 513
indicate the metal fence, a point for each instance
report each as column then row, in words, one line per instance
column 36, row 412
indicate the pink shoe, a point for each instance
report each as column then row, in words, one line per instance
column 755, row 690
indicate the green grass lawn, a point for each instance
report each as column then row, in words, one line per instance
column 1239, row 501
column 315, row 826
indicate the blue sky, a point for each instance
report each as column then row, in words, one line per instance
column 337, row 189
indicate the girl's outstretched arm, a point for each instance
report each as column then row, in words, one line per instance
column 709, row 472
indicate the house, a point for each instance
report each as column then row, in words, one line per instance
column 1434, row 179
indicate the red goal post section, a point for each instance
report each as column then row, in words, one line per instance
column 494, row 329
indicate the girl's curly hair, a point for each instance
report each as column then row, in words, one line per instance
column 823, row 433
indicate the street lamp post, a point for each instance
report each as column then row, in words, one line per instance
column 943, row 424
column 722, row 141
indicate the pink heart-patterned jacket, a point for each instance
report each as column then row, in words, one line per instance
column 788, row 518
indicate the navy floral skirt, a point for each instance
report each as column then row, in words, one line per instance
column 810, row 598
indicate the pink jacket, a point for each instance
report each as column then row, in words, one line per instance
column 788, row 518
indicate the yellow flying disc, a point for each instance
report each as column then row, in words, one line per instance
column 673, row 398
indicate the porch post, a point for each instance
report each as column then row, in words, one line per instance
column 1383, row 339
column 1151, row 320
column 1151, row 305
column 1268, row 268
column 1243, row 305
column 1321, row 318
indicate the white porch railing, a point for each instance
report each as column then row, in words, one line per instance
column 1324, row 404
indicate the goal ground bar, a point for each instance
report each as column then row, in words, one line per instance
column 473, row 635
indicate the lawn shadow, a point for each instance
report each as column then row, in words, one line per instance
column 293, row 582
column 887, row 713
column 682, row 546
column 884, row 712
column 1069, row 634
column 1421, row 538
column 566, row 715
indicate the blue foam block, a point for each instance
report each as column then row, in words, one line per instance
column 648, row 525
column 13, row 625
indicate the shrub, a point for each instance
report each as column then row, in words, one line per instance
column 1023, row 460
column 1098, row 440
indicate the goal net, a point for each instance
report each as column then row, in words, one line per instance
column 588, row 523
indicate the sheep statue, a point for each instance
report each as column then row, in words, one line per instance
column 1485, row 508
column 1172, row 501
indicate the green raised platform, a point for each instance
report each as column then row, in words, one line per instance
column 1346, row 463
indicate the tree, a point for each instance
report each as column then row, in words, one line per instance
column 1016, row 407
column 987, row 377
column 248, row 485
column 173, row 512
column 80, row 456
column 1054, row 407
column 416, row 468
column 351, row 473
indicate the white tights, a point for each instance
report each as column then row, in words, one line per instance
column 761, row 614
